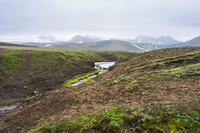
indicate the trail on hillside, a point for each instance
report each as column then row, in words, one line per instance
column 16, row 80
column 44, row 72
column 13, row 90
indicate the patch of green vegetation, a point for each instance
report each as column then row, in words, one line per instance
column 124, row 80
column 193, row 53
column 159, row 118
column 11, row 62
column 184, row 71
column 69, row 82
column 30, row 98
column 47, row 60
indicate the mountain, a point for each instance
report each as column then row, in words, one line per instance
column 101, row 45
column 193, row 42
column 83, row 39
column 162, row 40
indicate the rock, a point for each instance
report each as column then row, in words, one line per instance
column 92, row 64
column 67, row 116
column 115, row 82
column 35, row 93
column 111, row 67
column 116, row 64
column 148, row 104
column 119, row 60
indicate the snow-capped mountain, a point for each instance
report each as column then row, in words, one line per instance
column 162, row 40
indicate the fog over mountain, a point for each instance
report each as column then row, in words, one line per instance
column 48, row 38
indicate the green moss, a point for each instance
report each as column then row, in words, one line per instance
column 160, row 118
column 69, row 82
column 10, row 64
column 193, row 53
column 28, row 98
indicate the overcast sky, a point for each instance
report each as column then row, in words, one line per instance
column 105, row 18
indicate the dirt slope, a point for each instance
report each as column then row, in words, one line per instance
column 157, row 77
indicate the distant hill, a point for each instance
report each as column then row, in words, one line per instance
column 10, row 44
column 193, row 42
column 38, row 44
column 101, row 45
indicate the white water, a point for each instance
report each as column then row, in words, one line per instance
column 103, row 66
column 8, row 108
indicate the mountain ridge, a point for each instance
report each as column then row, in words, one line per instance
column 162, row 40
column 116, row 45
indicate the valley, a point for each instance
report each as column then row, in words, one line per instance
column 156, row 91
column 99, row 66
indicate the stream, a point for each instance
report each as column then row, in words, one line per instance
column 8, row 108
column 102, row 66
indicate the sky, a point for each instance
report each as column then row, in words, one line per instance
column 125, row 19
